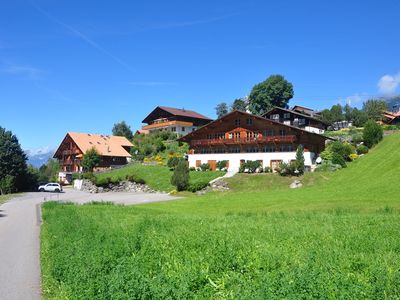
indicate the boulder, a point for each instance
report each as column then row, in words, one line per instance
column 296, row 184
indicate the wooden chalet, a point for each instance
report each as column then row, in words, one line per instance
column 240, row 136
column 305, row 110
column 114, row 150
column 181, row 121
column 391, row 118
column 296, row 119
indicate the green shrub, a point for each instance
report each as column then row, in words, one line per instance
column 267, row 170
column 221, row 164
column 205, row 167
column 192, row 169
column 197, row 186
column 180, row 177
column 299, row 163
column 342, row 149
column 173, row 162
column 326, row 155
column 287, row 169
column 357, row 138
column 252, row 165
column 135, row 178
column 7, row 184
column 362, row 149
column 327, row 166
column 103, row 182
column 338, row 159
column 373, row 134
column 89, row 176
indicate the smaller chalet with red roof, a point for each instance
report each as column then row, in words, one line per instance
column 180, row 121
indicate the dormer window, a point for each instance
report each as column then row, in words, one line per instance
column 274, row 117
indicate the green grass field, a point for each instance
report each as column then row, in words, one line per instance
column 338, row 237
column 157, row 177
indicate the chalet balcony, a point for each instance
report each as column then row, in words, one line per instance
column 166, row 123
column 244, row 141
column 70, row 152
column 69, row 162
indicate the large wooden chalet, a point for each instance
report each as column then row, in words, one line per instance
column 239, row 136
column 181, row 121
column 296, row 119
column 114, row 150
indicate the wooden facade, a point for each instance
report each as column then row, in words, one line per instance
column 240, row 132
column 70, row 152
column 294, row 118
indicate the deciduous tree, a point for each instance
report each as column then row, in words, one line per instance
column 122, row 129
column 375, row 109
column 239, row 104
column 91, row 159
column 274, row 91
column 221, row 109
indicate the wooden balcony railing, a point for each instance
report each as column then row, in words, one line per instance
column 166, row 124
column 68, row 162
column 70, row 152
column 244, row 141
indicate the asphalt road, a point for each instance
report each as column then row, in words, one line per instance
column 19, row 236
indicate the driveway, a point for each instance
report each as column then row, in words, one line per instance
column 19, row 236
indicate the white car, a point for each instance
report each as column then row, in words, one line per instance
column 50, row 187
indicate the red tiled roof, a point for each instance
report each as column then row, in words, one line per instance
column 184, row 112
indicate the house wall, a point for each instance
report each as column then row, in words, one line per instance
column 235, row 158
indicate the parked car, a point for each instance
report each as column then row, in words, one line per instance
column 50, row 187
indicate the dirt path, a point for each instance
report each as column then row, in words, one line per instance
column 19, row 236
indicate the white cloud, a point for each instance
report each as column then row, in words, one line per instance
column 388, row 83
column 23, row 71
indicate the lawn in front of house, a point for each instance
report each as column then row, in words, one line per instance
column 158, row 177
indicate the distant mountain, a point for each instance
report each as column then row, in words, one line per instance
column 39, row 156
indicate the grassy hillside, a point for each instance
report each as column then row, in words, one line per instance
column 157, row 177
column 335, row 238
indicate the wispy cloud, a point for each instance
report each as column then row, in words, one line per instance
column 82, row 36
column 151, row 83
column 167, row 25
column 23, row 71
column 388, row 84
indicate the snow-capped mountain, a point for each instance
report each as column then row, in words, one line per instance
column 39, row 156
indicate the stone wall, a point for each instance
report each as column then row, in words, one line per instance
column 123, row 186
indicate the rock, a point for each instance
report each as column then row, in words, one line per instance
column 296, row 184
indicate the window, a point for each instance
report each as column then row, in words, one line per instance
column 183, row 129
column 237, row 122
column 234, row 150
column 249, row 121
column 252, row 149
column 302, row 121
column 286, row 115
column 282, row 132
column 209, row 136
column 286, row 148
column 286, row 122
column 274, row 117
column 269, row 132
column 173, row 129
column 269, row 148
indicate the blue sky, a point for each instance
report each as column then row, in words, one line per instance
column 85, row 65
